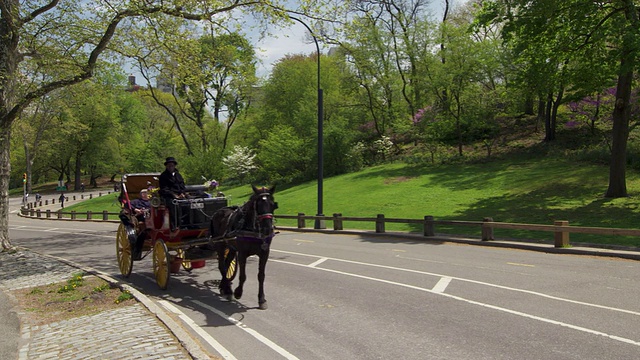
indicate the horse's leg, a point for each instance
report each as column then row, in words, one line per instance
column 225, row 284
column 262, row 264
column 242, row 276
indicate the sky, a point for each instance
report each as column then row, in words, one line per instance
column 295, row 40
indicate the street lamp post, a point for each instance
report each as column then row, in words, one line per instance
column 319, row 224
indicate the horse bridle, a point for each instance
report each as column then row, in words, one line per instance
column 260, row 217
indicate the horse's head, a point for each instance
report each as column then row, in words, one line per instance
column 264, row 206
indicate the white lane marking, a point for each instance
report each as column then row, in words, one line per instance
column 255, row 334
column 208, row 338
column 59, row 231
column 473, row 302
column 519, row 264
column 318, row 262
column 636, row 313
column 442, row 284
column 303, row 241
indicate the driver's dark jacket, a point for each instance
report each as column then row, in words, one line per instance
column 171, row 185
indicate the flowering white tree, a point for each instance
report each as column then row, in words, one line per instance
column 383, row 146
column 240, row 162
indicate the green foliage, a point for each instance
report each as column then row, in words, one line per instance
column 285, row 156
column 76, row 281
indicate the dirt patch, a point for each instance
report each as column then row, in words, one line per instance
column 397, row 179
column 79, row 296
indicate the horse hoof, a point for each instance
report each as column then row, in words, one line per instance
column 263, row 306
column 237, row 294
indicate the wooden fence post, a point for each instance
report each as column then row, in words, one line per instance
column 301, row 223
column 337, row 221
column 487, row 229
column 48, row 213
column 31, row 212
column 46, row 202
column 60, row 214
column 427, row 226
column 73, row 214
column 380, row 223
column 74, row 198
column 89, row 215
column 105, row 215
column 561, row 237
column 38, row 213
column 82, row 197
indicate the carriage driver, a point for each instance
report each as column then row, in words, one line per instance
column 171, row 184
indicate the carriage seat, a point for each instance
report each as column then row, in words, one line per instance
column 197, row 191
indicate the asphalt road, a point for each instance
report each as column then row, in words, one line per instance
column 358, row 297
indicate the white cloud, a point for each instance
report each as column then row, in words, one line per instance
column 291, row 40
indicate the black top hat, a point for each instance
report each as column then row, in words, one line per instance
column 170, row 160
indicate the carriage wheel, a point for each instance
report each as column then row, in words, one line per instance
column 231, row 262
column 161, row 263
column 124, row 252
column 186, row 264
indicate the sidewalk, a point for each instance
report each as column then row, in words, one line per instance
column 137, row 331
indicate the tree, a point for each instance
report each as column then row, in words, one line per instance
column 61, row 42
column 579, row 36
column 240, row 163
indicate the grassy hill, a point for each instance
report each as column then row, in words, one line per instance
column 527, row 187
column 523, row 189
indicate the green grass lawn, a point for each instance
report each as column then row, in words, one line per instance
column 97, row 205
column 525, row 190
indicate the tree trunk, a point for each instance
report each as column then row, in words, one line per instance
column 554, row 112
column 28, row 163
column 77, row 176
column 622, row 109
column 549, row 130
column 5, row 173
column 619, row 136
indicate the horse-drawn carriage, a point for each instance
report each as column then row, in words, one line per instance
column 176, row 234
column 186, row 233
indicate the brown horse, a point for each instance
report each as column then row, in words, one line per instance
column 243, row 231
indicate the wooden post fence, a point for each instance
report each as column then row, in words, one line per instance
column 427, row 227
column 337, row 221
column 380, row 223
column 487, row 229
column 561, row 237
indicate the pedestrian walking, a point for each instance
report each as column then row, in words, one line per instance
column 82, row 187
column 61, row 200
